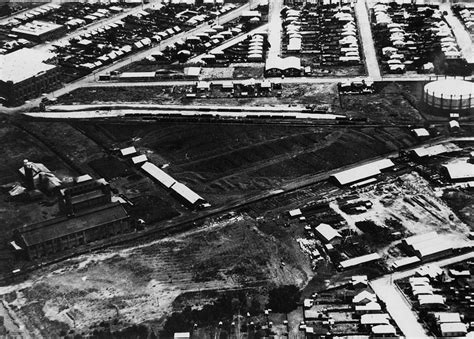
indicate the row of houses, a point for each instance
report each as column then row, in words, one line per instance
column 329, row 33
column 411, row 37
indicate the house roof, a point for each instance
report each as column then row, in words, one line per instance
column 453, row 328
column 276, row 62
column 427, row 299
column 364, row 297
column 374, row 319
column 447, row 317
column 371, row 306
column 383, row 329
column 139, row 159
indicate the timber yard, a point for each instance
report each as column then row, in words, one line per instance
column 237, row 169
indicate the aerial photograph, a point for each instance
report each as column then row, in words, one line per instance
column 232, row 169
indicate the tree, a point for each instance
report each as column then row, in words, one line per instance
column 284, row 299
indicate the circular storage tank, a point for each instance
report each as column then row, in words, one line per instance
column 449, row 95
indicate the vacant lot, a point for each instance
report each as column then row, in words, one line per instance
column 124, row 286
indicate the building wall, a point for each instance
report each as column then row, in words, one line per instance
column 99, row 232
column 16, row 94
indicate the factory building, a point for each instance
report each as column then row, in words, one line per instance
column 460, row 171
column 427, row 246
column 83, row 195
column 449, row 95
column 26, row 74
column 364, row 174
column 37, row 175
column 363, row 259
column 39, row 31
column 62, row 233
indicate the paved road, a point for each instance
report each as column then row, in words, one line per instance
column 274, row 27
column 463, row 38
column 367, row 40
column 397, row 306
column 123, row 62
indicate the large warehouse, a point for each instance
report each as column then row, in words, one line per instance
column 25, row 75
column 39, row 31
column 59, row 234
column 363, row 173
column 448, row 96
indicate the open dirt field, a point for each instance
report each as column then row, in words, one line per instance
column 133, row 285
column 230, row 160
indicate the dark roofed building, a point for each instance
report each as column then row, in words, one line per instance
column 90, row 193
column 58, row 234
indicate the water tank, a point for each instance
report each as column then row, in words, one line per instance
column 450, row 95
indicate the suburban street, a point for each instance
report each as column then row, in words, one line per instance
column 274, row 27
column 462, row 36
column 397, row 306
column 367, row 40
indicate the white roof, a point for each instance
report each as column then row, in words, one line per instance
column 450, row 87
column 161, row 176
column 371, row 306
column 24, row 63
column 447, row 317
column 327, row 232
column 128, row 150
column 36, row 28
column 182, row 335
column 410, row 241
column 186, row 193
column 139, row 159
column 447, row 328
column 362, row 296
column 460, row 170
column 363, row 171
column 283, row 63
column 374, row 319
column 427, row 299
column 295, row 212
column 421, row 132
column 405, row 261
column 432, row 248
column 383, row 329
column 359, row 260
column 430, row 150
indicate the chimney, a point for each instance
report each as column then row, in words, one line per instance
column 28, row 167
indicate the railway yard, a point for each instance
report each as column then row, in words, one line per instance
column 204, row 169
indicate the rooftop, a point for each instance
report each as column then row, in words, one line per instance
column 62, row 226
column 36, row 28
column 24, row 63
column 363, row 171
column 460, row 170
column 187, row 193
column 158, row 174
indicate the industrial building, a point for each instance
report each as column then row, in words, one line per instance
column 327, row 234
column 27, row 74
column 434, row 150
column 39, row 31
column 83, row 195
column 449, row 95
column 62, row 233
column 289, row 66
column 460, row 171
column 362, row 174
column 427, row 246
column 184, row 193
column 37, row 175
column 363, row 259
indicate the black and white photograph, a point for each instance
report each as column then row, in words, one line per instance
column 233, row 169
